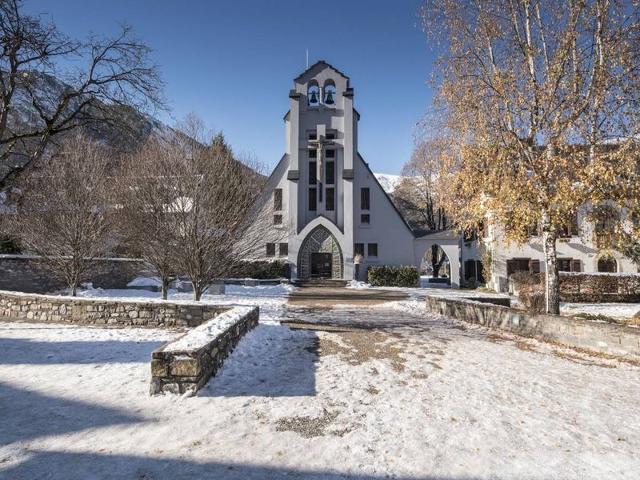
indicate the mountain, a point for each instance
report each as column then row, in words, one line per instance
column 134, row 127
column 388, row 182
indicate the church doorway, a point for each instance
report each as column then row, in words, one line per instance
column 321, row 265
column 320, row 256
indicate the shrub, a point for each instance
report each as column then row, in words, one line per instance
column 9, row 245
column 262, row 270
column 392, row 276
column 525, row 279
column 532, row 297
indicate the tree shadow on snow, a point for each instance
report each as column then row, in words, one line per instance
column 26, row 414
column 22, row 351
column 270, row 361
column 72, row 466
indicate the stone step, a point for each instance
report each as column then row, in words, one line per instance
column 321, row 282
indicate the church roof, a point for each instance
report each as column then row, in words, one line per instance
column 319, row 65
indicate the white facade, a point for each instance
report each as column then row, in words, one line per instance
column 577, row 251
column 327, row 206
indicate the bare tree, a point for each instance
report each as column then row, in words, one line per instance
column 146, row 220
column 532, row 94
column 193, row 207
column 65, row 217
column 418, row 198
column 51, row 84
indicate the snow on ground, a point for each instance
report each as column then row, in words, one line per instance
column 411, row 395
column 620, row 311
column 270, row 298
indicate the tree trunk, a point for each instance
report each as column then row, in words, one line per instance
column 165, row 288
column 73, row 289
column 197, row 291
column 552, row 280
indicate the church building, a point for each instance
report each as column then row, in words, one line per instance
column 329, row 217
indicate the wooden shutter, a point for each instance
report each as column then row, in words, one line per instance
column 575, row 265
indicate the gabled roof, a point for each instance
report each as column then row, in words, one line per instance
column 319, row 65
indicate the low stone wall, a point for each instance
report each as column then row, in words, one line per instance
column 575, row 332
column 26, row 273
column 60, row 309
column 187, row 363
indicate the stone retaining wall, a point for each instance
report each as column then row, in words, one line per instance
column 60, row 309
column 187, row 363
column 27, row 273
column 575, row 332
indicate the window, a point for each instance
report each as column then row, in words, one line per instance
column 330, row 173
column 607, row 264
column 312, row 199
column 365, row 219
column 564, row 264
column 313, row 95
column 283, row 249
column 313, row 136
column 313, row 177
column 329, row 93
column 271, row 249
column 372, row 249
column 313, row 153
column 277, row 199
column 364, row 199
column 330, row 201
column 277, row 219
column 522, row 265
column 331, row 135
column 330, row 154
column 358, row 249
column 570, row 228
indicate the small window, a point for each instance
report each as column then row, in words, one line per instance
column 330, row 154
column 271, row 249
column 313, row 174
column 364, row 199
column 277, row 219
column 313, row 136
column 358, row 249
column 564, row 264
column 331, row 136
column 283, row 249
column 372, row 249
column 312, row 199
column 330, row 173
column 277, row 199
column 365, row 219
column 330, row 201
column 313, row 153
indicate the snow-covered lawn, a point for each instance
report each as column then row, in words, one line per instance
column 621, row 311
column 411, row 395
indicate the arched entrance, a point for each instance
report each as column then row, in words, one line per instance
column 320, row 256
column 435, row 267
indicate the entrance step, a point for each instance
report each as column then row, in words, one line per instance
column 321, row 282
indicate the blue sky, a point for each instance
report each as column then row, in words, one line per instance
column 232, row 62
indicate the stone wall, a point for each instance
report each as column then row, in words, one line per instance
column 187, row 363
column 575, row 332
column 26, row 273
column 60, row 309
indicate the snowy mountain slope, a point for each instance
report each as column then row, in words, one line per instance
column 389, row 182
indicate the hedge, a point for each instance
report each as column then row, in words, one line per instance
column 262, row 270
column 586, row 287
column 392, row 276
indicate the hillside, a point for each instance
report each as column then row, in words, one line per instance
column 133, row 127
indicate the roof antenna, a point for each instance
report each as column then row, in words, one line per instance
column 307, row 59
